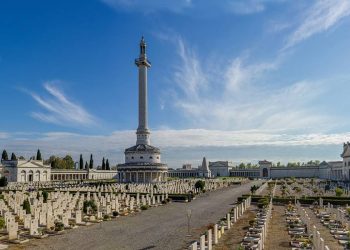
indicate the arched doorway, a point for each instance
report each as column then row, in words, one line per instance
column 37, row 176
column 45, row 176
column 30, row 176
column 23, row 176
column 265, row 173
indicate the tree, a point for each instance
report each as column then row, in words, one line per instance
column 200, row 185
column 58, row 163
column 2, row 222
column 4, row 156
column 26, row 206
column 253, row 189
column 68, row 162
column 89, row 205
column 3, row 181
column 86, row 165
column 241, row 165
column 81, row 162
column 38, row 155
column 107, row 165
column 13, row 157
column 45, row 196
column 103, row 164
column 91, row 165
column 21, row 158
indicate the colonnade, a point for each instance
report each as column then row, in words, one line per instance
column 142, row 176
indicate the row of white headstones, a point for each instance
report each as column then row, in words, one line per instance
column 212, row 236
column 66, row 204
column 174, row 187
column 318, row 241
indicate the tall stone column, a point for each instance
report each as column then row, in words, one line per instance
column 142, row 63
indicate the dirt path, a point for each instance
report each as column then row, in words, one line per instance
column 277, row 235
column 232, row 238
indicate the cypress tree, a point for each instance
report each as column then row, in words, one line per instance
column 13, row 157
column 26, row 206
column 86, row 165
column 91, row 165
column 107, row 165
column 103, row 164
column 81, row 162
column 38, row 155
column 4, row 156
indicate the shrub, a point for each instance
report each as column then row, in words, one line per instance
column 106, row 217
column 59, row 226
column 253, row 189
column 89, row 204
column 2, row 223
column 263, row 203
column 338, row 192
column 200, row 185
column 144, row 207
column 45, row 196
column 26, row 206
column 3, row 181
column 115, row 213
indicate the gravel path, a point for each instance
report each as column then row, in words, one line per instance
column 163, row 227
column 233, row 238
column 277, row 235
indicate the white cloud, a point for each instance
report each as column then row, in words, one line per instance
column 4, row 135
column 179, row 146
column 236, row 95
column 321, row 16
column 59, row 109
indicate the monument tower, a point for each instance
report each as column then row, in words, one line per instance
column 143, row 64
column 142, row 161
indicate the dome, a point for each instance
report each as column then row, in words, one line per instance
column 140, row 148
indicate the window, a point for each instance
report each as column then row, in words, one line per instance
column 141, row 157
column 151, row 157
column 157, row 157
column 132, row 157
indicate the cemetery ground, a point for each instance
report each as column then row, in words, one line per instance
column 233, row 238
column 163, row 227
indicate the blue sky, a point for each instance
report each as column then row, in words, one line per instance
column 230, row 80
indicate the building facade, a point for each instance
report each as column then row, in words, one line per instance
column 142, row 161
column 220, row 168
column 36, row 171
column 187, row 171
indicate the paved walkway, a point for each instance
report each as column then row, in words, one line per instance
column 163, row 227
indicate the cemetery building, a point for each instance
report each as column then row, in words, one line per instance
column 220, row 168
column 26, row 171
column 142, row 161
column 332, row 170
column 187, row 171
